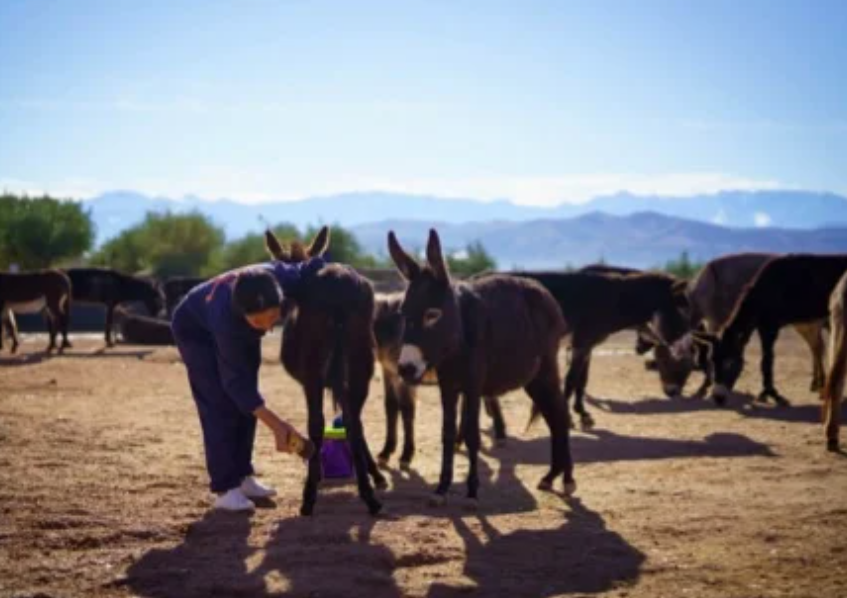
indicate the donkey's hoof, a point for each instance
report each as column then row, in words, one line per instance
column 437, row 500
column 781, row 401
column 545, row 485
column 381, row 483
column 471, row 504
column 570, row 488
column 307, row 510
column 375, row 508
column 832, row 445
column 405, row 466
column 586, row 422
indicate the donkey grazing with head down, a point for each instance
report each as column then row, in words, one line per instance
column 791, row 289
column 834, row 388
column 328, row 342
column 712, row 295
column 482, row 337
column 47, row 291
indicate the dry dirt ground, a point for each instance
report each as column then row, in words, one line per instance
column 103, row 493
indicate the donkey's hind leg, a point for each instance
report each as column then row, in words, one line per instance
column 544, row 391
column 492, row 407
column 575, row 380
column 314, row 400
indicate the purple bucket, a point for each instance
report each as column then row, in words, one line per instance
column 336, row 456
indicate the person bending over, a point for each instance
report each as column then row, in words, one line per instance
column 218, row 328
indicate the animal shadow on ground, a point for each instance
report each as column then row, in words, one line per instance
column 579, row 556
column 212, row 560
column 743, row 404
column 599, row 446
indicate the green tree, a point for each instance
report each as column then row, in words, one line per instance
column 472, row 260
column 164, row 244
column 42, row 231
column 683, row 267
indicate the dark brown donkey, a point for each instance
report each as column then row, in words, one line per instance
column 595, row 306
column 47, row 291
column 400, row 398
column 328, row 342
column 111, row 288
column 791, row 289
column 483, row 337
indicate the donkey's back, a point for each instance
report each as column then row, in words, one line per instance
column 520, row 324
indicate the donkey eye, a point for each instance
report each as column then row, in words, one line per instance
column 431, row 316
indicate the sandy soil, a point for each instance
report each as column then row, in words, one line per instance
column 103, row 493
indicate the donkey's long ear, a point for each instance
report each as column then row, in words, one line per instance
column 320, row 243
column 274, row 247
column 408, row 267
column 435, row 257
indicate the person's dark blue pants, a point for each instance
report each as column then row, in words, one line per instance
column 228, row 434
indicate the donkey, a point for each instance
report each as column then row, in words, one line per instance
column 328, row 342
column 834, row 388
column 110, row 288
column 712, row 295
column 400, row 398
column 791, row 289
column 595, row 306
column 142, row 330
column 47, row 291
column 482, row 337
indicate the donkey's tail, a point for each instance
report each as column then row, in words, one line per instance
column 338, row 363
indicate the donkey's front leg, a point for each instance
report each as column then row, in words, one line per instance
column 407, row 411
column 449, row 399
column 470, row 418
column 392, row 410
column 314, row 402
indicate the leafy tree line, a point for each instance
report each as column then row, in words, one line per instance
column 43, row 232
column 37, row 232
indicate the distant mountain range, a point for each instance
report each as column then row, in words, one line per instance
column 622, row 228
column 642, row 240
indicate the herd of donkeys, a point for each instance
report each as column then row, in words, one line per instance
column 483, row 336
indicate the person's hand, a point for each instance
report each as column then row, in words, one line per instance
column 288, row 440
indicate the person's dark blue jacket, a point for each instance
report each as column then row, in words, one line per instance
column 208, row 311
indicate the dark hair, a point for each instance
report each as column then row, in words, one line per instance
column 255, row 291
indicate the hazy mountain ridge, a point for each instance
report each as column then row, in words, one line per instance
column 117, row 210
column 625, row 229
column 645, row 239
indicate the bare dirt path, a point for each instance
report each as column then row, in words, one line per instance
column 103, row 493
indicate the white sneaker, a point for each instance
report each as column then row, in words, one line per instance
column 255, row 489
column 234, row 500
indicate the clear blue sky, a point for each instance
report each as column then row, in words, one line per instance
column 536, row 101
